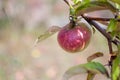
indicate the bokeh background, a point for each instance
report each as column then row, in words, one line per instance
column 21, row 22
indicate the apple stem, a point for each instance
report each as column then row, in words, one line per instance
column 72, row 22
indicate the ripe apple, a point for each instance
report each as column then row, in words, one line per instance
column 74, row 39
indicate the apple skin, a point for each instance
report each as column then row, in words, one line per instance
column 74, row 39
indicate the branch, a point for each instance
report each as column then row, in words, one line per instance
column 110, row 47
column 99, row 18
column 99, row 28
column 67, row 2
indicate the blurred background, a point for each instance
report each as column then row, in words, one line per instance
column 21, row 22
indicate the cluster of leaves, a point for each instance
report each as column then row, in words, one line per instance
column 78, row 8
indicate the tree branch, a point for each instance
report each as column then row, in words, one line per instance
column 99, row 18
column 99, row 28
column 67, row 2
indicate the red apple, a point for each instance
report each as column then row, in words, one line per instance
column 74, row 39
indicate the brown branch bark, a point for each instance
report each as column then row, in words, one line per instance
column 99, row 18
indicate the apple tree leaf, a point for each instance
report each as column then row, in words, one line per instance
column 116, row 1
column 94, row 56
column 52, row 30
column 112, row 27
column 116, row 69
column 82, row 5
column 89, row 6
column 92, row 67
column 75, row 70
column 118, row 30
column 96, row 67
column 76, row 1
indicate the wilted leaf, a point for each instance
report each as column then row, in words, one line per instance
column 52, row 30
column 93, row 67
column 74, row 71
column 116, row 68
column 94, row 56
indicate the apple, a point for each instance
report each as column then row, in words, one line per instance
column 74, row 39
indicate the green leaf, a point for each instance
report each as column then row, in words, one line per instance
column 116, row 68
column 118, row 31
column 76, row 1
column 112, row 27
column 92, row 67
column 52, row 30
column 82, row 5
column 119, row 48
column 116, row 1
column 96, row 67
column 94, row 56
column 117, row 6
column 89, row 6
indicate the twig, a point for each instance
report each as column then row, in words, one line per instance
column 111, row 52
column 110, row 46
column 67, row 2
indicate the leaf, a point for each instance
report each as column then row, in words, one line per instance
column 112, row 25
column 76, row 1
column 117, row 6
column 90, row 76
column 90, row 6
column 74, row 71
column 82, row 5
column 94, row 56
column 93, row 67
column 118, row 49
column 116, row 68
column 52, row 30
column 96, row 67
column 106, row 4
column 116, row 1
column 118, row 31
